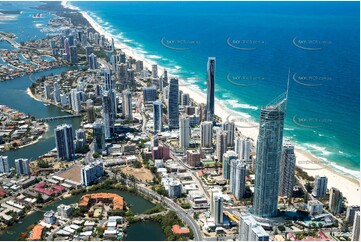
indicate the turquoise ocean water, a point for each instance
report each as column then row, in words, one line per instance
column 255, row 44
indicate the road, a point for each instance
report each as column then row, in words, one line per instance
column 194, row 176
column 181, row 213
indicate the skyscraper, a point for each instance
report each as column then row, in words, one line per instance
column 22, row 166
column 185, row 99
column 88, row 51
column 320, row 186
column 173, row 108
column 73, row 54
column 184, row 132
column 356, row 227
column 243, row 148
column 47, row 91
column 149, row 94
column 91, row 172
column 269, row 155
column 287, row 169
column 131, row 77
column 250, row 230
column 108, row 80
column 350, row 213
column 127, row 104
column 206, row 134
column 229, row 127
column 67, row 48
column 240, row 182
column 93, row 62
column 4, row 165
column 64, row 142
column 154, row 71
column 122, row 75
column 76, row 101
column 193, row 158
column 336, row 201
column 237, row 181
column 226, row 165
column 211, row 72
column 90, row 111
column 99, row 137
column 218, row 210
column 221, row 145
column 138, row 66
column 107, row 114
column 157, row 116
column 56, row 92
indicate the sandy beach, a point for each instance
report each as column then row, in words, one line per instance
column 310, row 164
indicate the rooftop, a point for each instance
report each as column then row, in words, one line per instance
column 176, row 229
column 118, row 201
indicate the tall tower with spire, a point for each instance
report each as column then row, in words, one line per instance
column 211, row 72
column 269, row 155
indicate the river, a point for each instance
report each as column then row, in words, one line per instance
column 137, row 204
column 13, row 94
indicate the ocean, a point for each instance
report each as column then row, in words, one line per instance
column 256, row 44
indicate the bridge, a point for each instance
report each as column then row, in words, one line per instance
column 10, row 40
column 49, row 119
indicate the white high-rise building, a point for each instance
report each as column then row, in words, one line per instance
column 218, row 209
column 175, row 189
column 47, row 90
column 56, row 92
column 91, row 172
column 356, row 227
column 229, row 127
column 243, row 148
column 335, row 204
column 154, row 71
column 127, row 105
column 4, row 164
column 237, row 182
column 287, row 169
column 75, row 101
column 206, row 134
column 93, row 63
column 226, row 165
column 22, row 166
column 250, row 230
column 184, row 132
column 350, row 213
column 64, row 211
column 320, row 186
column 221, row 145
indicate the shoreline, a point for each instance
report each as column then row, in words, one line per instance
column 305, row 160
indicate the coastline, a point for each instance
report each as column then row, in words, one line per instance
column 349, row 186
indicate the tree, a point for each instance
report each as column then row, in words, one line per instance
column 39, row 198
column 281, row 228
column 308, row 187
column 96, row 155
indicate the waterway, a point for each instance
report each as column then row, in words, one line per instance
column 137, row 204
column 13, row 94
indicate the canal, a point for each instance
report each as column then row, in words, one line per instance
column 13, row 94
column 136, row 203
